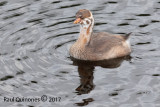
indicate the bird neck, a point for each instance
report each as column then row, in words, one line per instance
column 85, row 33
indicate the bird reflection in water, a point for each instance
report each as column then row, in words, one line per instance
column 86, row 70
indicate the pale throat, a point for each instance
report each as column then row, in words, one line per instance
column 85, row 33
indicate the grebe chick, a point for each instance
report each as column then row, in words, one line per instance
column 97, row 46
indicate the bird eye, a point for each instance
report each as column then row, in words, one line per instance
column 80, row 16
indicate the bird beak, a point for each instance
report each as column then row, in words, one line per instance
column 77, row 20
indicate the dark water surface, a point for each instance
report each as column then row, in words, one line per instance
column 35, row 36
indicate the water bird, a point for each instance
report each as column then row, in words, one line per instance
column 97, row 46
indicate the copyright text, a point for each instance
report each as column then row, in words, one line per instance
column 43, row 98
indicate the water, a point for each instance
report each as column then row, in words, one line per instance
column 35, row 36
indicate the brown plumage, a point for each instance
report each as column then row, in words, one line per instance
column 83, row 13
column 97, row 46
